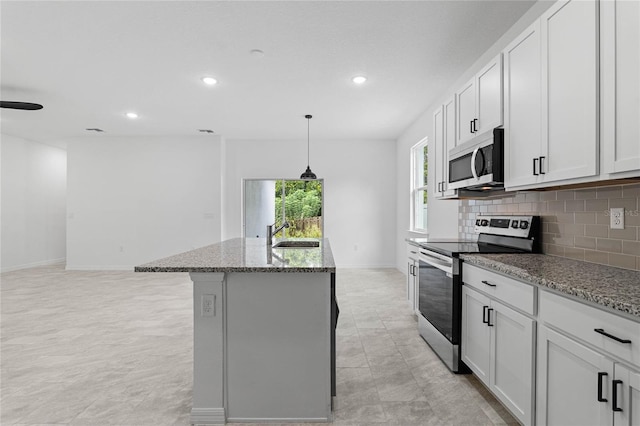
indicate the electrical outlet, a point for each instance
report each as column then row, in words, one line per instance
column 616, row 217
column 208, row 308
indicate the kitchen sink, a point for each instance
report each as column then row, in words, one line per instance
column 297, row 244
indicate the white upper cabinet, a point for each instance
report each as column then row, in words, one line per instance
column 443, row 139
column 449, row 110
column 551, row 94
column 522, row 107
column 620, row 85
column 570, row 90
column 489, row 96
column 479, row 102
column 466, row 101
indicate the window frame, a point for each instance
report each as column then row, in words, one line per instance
column 418, row 158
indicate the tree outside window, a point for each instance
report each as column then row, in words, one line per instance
column 419, row 192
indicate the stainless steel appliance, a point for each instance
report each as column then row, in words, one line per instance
column 478, row 166
column 440, row 280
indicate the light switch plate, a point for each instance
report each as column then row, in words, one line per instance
column 616, row 216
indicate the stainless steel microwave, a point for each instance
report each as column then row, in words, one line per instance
column 479, row 165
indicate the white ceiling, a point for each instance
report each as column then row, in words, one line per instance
column 89, row 62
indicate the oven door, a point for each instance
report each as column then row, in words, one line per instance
column 438, row 298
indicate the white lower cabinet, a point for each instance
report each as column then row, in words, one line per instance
column 476, row 335
column 568, row 377
column 580, row 386
column 585, row 377
column 628, row 391
column 497, row 345
column 412, row 277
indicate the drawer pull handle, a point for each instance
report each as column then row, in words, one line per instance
column 488, row 283
column 611, row 336
column 484, row 315
column 615, row 395
column 600, row 376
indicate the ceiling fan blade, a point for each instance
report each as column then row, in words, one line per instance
column 20, row 105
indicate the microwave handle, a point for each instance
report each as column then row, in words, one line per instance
column 473, row 163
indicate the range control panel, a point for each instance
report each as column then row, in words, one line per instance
column 513, row 226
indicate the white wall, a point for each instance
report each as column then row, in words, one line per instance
column 133, row 200
column 34, row 180
column 443, row 214
column 359, row 189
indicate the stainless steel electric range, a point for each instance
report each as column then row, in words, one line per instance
column 440, row 280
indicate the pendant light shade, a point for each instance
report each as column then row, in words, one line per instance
column 308, row 174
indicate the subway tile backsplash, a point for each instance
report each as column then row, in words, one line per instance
column 575, row 223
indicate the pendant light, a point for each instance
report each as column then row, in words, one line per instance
column 308, row 174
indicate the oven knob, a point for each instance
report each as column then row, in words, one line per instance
column 484, row 222
column 514, row 224
column 477, row 222
column 524, row 224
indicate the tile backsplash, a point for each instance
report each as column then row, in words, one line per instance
column 575, row 223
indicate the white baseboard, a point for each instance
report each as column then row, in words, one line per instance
column 99, row 268
column 207, row 416
column 279, row 420
column 33, row 264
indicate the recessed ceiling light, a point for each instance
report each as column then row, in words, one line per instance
column 209, row 81
column 131, row 115
column 257, row 53
column 359, row 79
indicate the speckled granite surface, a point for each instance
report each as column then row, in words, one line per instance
column 615, row 288
column 246, row 255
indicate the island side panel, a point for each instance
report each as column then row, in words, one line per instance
column 278, row 347
column 208, row 348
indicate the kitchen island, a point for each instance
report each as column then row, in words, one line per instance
column 264, row 331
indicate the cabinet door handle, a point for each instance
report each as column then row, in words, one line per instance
column 600, row 397
column 488, row 283
column 541, row 166
column 475, row 129
column 484, row 315
column 614, row 404
column 534, row 167
column 471, row 126
column 611, row 336
column 413, row 270
column 489, row 317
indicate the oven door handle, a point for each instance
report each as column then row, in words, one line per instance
column 437, row 263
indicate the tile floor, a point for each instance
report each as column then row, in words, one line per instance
column 115, row 348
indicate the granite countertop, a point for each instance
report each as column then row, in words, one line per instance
column 246, row 255
column 615, row 288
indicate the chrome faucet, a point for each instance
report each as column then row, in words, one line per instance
column 271, row 232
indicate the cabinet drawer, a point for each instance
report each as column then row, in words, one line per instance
column 505, row 289
column 580, row 320
column 412, row 251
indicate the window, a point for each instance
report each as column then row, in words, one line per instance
column 419, row 195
